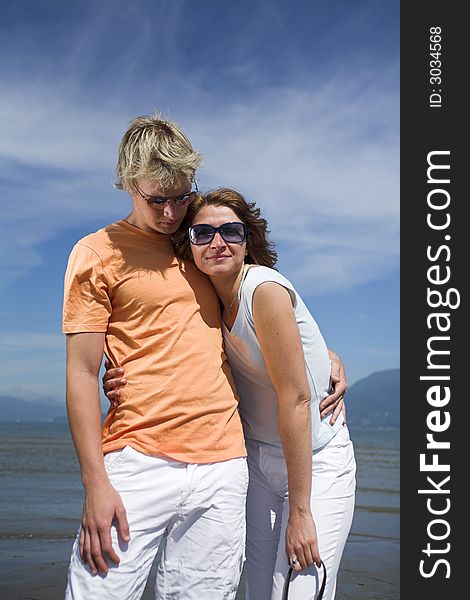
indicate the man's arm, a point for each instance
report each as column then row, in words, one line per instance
column 335, row 401
column 102, row 504
column 113, row 381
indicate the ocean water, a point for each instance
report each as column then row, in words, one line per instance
column 41, row 491
column 377, row 510
column 41, row 496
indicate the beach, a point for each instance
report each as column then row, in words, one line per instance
column 37, row 570
column 40, row 509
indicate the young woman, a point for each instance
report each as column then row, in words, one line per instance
column 301, row 492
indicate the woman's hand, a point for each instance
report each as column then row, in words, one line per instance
column 301, row 541
column 113, row 382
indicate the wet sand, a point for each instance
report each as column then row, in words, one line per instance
column 36, row 569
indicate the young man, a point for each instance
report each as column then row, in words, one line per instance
column 174, row 467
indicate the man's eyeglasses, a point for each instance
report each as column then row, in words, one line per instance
column 232, row 233
column 181, row 200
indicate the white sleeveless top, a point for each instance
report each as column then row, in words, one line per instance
column 258, row 407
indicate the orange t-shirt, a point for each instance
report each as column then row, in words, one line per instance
column 162, row 322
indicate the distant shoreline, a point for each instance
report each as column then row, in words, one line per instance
column 371, row 401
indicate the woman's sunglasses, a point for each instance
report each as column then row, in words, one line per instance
column 232, row 233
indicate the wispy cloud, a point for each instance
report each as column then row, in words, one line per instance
column 323, row 165
column 32, row 365
column 328, row 186
column 318, row 151
column 294, row 105
column 379, row 352
column 24, row 342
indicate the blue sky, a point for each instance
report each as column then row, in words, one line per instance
column 295, row 104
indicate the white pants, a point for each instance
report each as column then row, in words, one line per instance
column 332, row 504
column 197, row 510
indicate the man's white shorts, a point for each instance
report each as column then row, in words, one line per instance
column 197, row 511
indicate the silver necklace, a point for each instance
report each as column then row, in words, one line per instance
column 231, row 305
column 238, row 289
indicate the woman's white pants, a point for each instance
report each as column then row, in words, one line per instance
column 197, row 511
column 332, row 503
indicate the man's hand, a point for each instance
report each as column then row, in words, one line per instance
column 102, row 507
column 113, row 382
column 335, row 402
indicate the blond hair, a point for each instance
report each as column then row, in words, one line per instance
column 157, row 149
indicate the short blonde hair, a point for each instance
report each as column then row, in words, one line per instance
column 155, row 148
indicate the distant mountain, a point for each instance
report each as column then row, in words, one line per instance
column 14, row 409
column 375, row 400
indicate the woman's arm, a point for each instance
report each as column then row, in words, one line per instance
column 279, row 338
